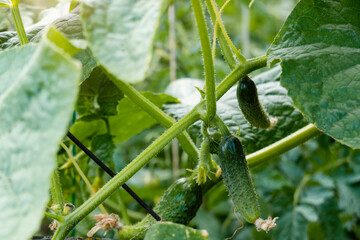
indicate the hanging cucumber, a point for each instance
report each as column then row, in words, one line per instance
column 179, row 204
column 250, row 105
column 237, row 178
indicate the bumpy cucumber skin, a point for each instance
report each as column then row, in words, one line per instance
column 250, row 105
column 179, row 204
column 237, row 178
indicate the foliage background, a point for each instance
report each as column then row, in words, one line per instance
column 314, row 188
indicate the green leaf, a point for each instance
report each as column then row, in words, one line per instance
column 168, row 230
column 69, row 25
column 319, row 49
column 103, row 147
column 273, row 97
column 121, row 34
column 88, row 62
column 98, row 90
column 38, row 91
column 131, row 119
column 291, row 226
column 86, row 130
column 316, row 195
column 349, row 198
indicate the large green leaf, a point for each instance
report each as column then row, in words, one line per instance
column 131, row 119
column 319, row 49
column 121, row 33
column 273, row 97
column 169, row 230
column 68, row 24
column 38, row 91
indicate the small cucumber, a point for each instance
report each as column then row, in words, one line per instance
column 179, row 204
column 250, row 105
column 237, row 178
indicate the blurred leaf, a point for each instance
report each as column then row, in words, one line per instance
column 273, row 97
column 349, row 198
column 88, row 63
column 168, row 230
column 308, row 212
column 316, row 195
column 319, row 49
column 131, row 119
column 291, row 226
column 121, row 33
column 330, row 221
column 207, row 221
column 98, row 90
column 84, row 131
column 36, row 102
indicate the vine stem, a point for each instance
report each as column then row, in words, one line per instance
column 225, row 48
column 221, row 25
column 54, row 216
column 125, row 174
column 222, row 126
column 208, row 61
column 18, row 22
column 149, row 107
column 283, row 145
column 55, row 189
column 142, row 159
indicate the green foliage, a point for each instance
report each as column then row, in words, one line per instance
column 121, row 33
column 314, row 188
column 37, row 94
column 131, row 119
column 319, row 51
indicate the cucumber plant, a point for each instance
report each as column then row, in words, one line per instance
column 84, row 71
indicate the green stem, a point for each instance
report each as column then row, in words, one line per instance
column 283, row 145
column 241, row 58
column 55, row 189
column 225, row 48
column 133, row 167
column 240, row 71
column 142, row 159
column 222, row 126
column 5, row 5
column 59, row 218
column 18, row 22
column 208, row 61
column 164, row 119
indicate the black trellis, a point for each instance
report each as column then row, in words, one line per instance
column 112, row 174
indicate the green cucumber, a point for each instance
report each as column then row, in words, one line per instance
column 179, row 204
column 250, row 105
column 237, row 178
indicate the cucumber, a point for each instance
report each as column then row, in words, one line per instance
column 237, row 178
column 250, row 105
column 179, row 204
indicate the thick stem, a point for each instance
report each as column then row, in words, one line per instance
column 208, row 61
column 240, row 71
column 132, row 168
column 283, row 145
column 18, row 22
column 165, row 120
column 55, row 189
